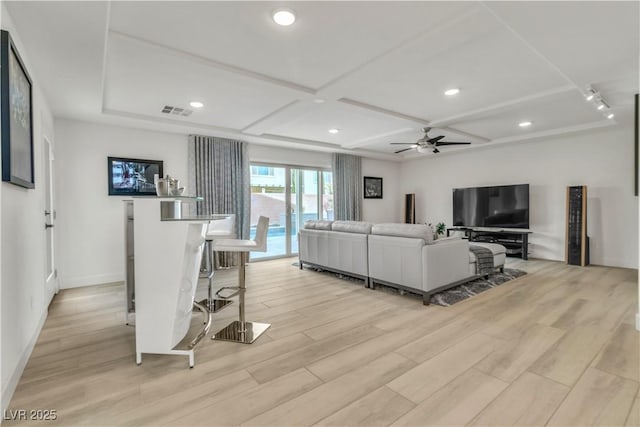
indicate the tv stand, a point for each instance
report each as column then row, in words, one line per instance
column 516, row 241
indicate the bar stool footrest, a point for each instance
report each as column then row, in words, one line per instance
column 226, row 288
column 217, row 304
column 233, row 332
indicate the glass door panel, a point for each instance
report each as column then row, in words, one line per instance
column 304, row 201
column 268, row 198
column 289, row 196
column 327, row 195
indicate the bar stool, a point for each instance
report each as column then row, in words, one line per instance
column 223, row 228
column 240, row 330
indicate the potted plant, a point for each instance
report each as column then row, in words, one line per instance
column 441, row 228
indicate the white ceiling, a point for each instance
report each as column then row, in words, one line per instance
column 380, row 67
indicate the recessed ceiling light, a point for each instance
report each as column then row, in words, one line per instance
column 319, row 101
column 525, row 124
column 610, row 116
column 452, row 91
column 334, row 130
column 284, row 17
column 196, row 104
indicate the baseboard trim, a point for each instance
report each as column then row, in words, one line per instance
column 80, row 281
column 7, row 392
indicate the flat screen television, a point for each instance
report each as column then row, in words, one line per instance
column 133, row 177
column 503, row 206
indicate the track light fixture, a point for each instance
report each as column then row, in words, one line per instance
column 601, row 105
column 590, row 93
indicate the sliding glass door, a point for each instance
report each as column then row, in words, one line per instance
column 289, row 196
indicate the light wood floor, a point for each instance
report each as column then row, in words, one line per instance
column 555, row 347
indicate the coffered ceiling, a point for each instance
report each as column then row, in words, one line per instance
column 377, row 71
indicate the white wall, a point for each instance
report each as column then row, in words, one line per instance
column 601, row 159
column 24, row 300
column 90, row 222
column 390, row 208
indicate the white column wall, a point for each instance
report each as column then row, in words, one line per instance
column 90, row 222
column 23, row 302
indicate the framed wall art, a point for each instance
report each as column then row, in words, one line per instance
column 372, row 187
column 17, row 116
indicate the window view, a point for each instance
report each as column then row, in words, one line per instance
column 288, row 196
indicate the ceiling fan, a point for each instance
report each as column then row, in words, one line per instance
column 426, row 143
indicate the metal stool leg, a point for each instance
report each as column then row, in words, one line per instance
column 240, row 330
column 212, row 304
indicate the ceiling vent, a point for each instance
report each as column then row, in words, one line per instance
column 177, row 111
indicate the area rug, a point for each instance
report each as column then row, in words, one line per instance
column 450, row 296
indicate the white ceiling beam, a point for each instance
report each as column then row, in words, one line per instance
column 553, row 132
column 445, row 121
column 326, row 89
column 179, row 126
column 417, row 121
column 276, row 118
column 375, row 138
column 304, row 91
column 524, row 41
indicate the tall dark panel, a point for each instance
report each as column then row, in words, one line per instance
column 577, row 245
column 410, row 208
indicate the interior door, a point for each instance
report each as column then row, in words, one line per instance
column 51, row 276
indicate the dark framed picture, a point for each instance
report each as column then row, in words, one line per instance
column 133, row 177
column 17, row 116
column 372, row 187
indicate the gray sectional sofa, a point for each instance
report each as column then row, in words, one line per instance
column 404, row 256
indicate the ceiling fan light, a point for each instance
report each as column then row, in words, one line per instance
column 422, row 149
column 284, row 17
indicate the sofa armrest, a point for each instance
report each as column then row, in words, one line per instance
column 444, row 263
column 313, row 246
column 396, row 260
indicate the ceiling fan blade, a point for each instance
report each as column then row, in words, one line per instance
column 439, row 144
column 406, row 149
column 435, row 139
column 402, row 143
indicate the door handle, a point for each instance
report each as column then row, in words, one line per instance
column 49, row 226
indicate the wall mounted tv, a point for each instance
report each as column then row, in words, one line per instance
column 133, row 177
column 503, row 206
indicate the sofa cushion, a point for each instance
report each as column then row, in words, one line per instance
column 446, row 239
column 318, row 225
column 352, row 227
column 415, row 231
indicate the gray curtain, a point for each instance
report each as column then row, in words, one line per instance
column 347, row 187
column 219, row 172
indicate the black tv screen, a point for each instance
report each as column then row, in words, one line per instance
column 133, row 177
column 503, row 206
